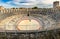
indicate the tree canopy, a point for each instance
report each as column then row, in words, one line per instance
column 34, row 7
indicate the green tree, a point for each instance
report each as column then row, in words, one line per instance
column 34, row 7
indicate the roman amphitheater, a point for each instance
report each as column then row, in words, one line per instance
column 30, row 23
